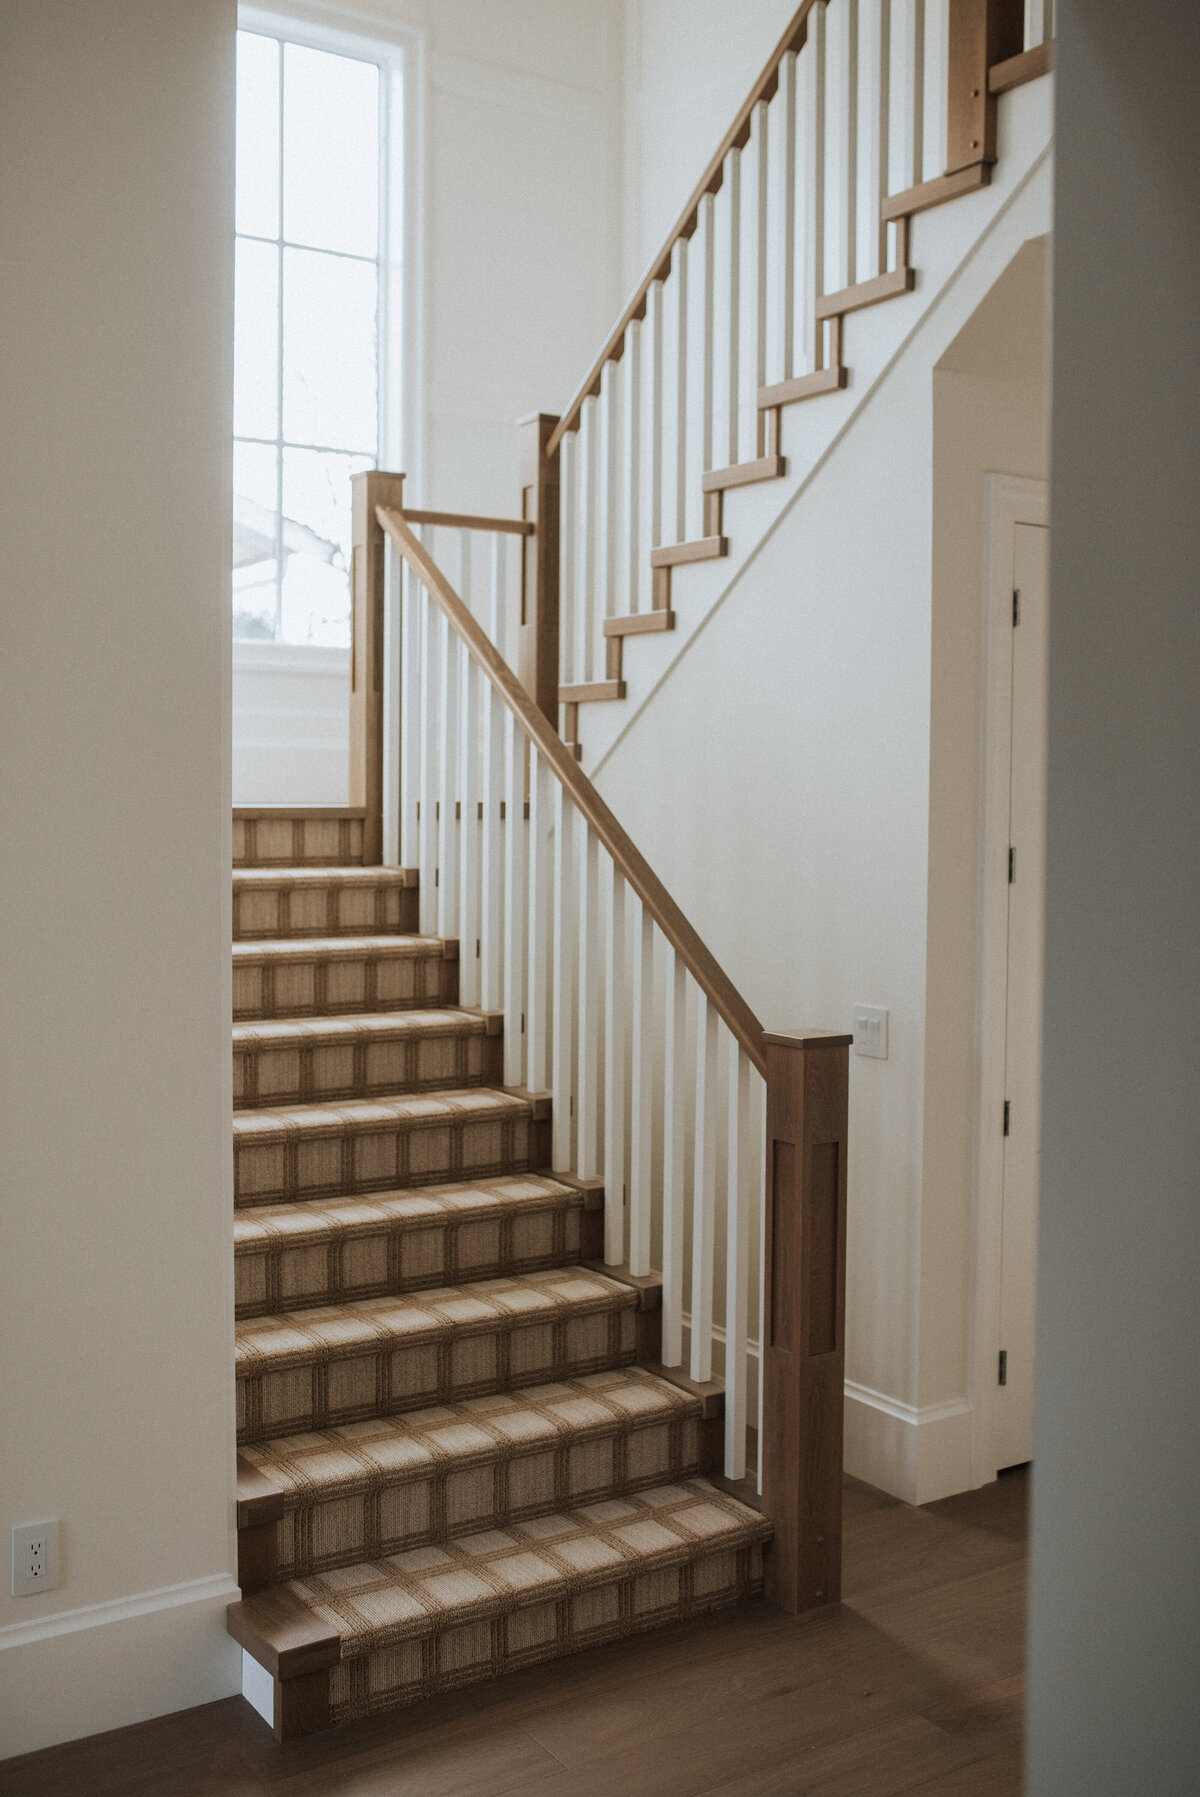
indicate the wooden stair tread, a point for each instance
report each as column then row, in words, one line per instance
column 310, row 1221
column 247, row 879
column 474, row 1605
column 375, row 1113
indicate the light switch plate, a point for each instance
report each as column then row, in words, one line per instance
column 871, row 1031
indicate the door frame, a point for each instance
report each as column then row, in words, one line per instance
column 1010, row 500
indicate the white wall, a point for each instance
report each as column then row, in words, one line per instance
column 291, row 724
column 1116, row 1569
column 822, row 835
column 689, row 65
column 116, row 1405
column 519, row 199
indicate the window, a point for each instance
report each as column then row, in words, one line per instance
column 314, row 126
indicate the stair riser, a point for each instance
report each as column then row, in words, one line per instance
column 462, row 1496
column 333, row 1162
column 383, row 1261
column 300, row 987
column 329, row 1072
column 436, row 1366
column 297, row 841
column 275, row 913
column 467, row 1653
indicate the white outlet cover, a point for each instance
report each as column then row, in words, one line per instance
column 871, row 1031
column 34, row 1558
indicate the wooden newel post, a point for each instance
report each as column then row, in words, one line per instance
column 981, row 32
column 537, row 656
column 366, row 652
column 804, row 1338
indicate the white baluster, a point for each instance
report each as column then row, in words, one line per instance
column 469, row 945
column 390, row 794
column 537, row 1047
column 704, row 1189
column 674, row 1157
column 633, row 568
column 654, row 415
column 608, row 492
column 781, row 232
column 615, row 1023
column 1039, row 23
column 841, row 178
column 568, row 455
column 514, row 904
column 448, row 783
column 759, row 1112
column 562, row 993
column 491, row 955
column 498, row 595
column 587, row 624
column 740, row 1205
column 812, row 184
column 873, row 64
column 587, row 1089
column 430, row 763
column 412, row 603
column 937, row 56
column 641, row 1141
column 754, row 336
column 728, row 346
column 679, row 404
column 906, row 92
column 700, row 356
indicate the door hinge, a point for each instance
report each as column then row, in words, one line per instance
column 1003, row 1371
column 1016, row 606
column 1012, row 865
column 1007, row 1114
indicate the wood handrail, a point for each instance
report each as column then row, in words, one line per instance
column 635, row 869
column 514, row 527
column 710, row 182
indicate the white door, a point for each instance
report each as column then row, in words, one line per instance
column 1013, row 1417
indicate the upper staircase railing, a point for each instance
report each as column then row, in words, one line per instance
column 866, row 113
column 720, row 1149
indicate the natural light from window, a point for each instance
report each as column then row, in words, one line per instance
column 311, row 154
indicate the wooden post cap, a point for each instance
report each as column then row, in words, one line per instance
column 807, row 1039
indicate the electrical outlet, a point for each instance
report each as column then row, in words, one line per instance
column 871, row 1031
column 34, row 1558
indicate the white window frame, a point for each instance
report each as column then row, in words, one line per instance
column 399, row 52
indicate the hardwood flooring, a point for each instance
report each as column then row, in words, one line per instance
column 915, row 1684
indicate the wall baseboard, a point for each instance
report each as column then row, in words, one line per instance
column 104, row 1666
column 917, row 1453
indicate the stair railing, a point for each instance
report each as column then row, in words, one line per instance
column 867, row 112
column 721, row 1149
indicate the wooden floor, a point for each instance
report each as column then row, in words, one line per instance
column 914, row 1684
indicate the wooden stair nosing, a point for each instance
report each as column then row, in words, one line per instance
column 639, row 623
column 802, row 386
column 882, row 287
column 745, row 474
column 591, row 692
column 282, row 1633
column 700, row 549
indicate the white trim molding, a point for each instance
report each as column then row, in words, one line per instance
column 1011, row 500
column 916, row 1452
column 107, row 1665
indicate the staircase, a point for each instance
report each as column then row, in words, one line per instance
column 454, row 1459
column 540, row 1235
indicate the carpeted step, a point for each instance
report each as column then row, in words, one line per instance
column 399, row 1483
column 292, row 1256
column 319, row 1060
column 378, row 1144
column 328, row 976
column 273, row 902
column 323, row 1368
column 474, row 1607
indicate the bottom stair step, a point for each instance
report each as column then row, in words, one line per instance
column 440, row 1617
